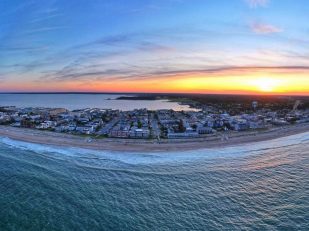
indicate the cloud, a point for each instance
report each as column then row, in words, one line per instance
column 129, row 73
column 22, row 48
column 154, row 47
column 257, row 3
column 17, row 8
column 96, row 74
column 113, row 40
column 232, row 70
column 262, row 28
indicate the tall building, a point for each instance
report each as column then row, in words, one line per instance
column 255, row 104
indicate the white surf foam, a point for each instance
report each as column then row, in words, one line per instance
column 158, row 158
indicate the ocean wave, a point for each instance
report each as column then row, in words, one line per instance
column 134, row 158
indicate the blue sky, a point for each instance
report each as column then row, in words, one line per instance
column 85, row 41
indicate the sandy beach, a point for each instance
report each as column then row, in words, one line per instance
column 213, row 141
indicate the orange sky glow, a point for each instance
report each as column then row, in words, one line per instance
column 259, row 83
column 254, row 80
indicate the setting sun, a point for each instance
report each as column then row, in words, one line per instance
column 267, row 84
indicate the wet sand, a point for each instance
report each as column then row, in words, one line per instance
column 137, row 145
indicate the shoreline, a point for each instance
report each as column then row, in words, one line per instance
column 132, row 145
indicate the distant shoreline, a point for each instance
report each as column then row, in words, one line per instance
column 163, row 93
column 134, row 145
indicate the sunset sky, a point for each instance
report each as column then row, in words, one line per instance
column 202, row 46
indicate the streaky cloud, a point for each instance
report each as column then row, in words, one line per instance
column 135, row 74
column 262, row 28
column 257, row 3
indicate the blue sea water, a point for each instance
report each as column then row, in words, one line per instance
column 251, row 187
column 81, row 101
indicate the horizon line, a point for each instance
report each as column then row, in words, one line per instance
column 158, row 93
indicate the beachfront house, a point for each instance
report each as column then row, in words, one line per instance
column 139, row 133
column 46, row 125
column 179, row 135
column 85, row 129
column 204, row 130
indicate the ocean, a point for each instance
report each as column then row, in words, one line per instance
column 81, row 101
column 250, row 187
